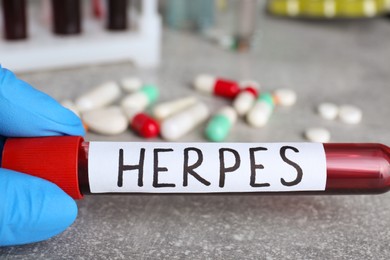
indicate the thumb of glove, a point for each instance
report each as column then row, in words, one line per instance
column 32, row 209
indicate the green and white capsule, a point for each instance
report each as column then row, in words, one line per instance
column 141, row 99
column 220, row 124
column 262, row 110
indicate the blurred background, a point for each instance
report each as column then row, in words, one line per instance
column 322, row 51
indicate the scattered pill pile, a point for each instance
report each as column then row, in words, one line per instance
column 247, row 102
column 347, row 114
column 111, row 108
column 100, row 114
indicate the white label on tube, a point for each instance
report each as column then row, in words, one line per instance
column 205, row 167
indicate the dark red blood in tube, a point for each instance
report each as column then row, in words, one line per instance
column 117, row 14
column 66, row 16
column 14, row 13
column 357, row 168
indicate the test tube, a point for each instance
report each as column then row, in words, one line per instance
column 117, row 14
column 14, row 13
column 66, row 16
column 81, row 167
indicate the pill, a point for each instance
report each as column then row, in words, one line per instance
column 220, row 124
column 131, row 84
column 317, row 134
column 67, row 103
column 328, row 110
column 350, row 114
column 217, row 86
column 166, row 109
column 142, row 123
column 106, row 121
column 261, row 111
column 141, row 99
column 284, row 97
column 245, row 100
column 184, row 121
column 98, row 97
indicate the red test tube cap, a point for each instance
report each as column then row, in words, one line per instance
column 53, row 158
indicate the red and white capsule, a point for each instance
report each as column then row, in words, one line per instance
column 142, row 123
column 216, row 86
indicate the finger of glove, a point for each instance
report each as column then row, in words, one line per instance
column 25, row 111
column 32, row 209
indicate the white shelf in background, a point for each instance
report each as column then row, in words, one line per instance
column 95, row 45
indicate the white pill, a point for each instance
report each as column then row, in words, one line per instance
column 244, row 101
column 106, row 121
column 285, row 97
column 350, row 114
column 317, row 134
column 183, row 122
column 98, row 97
column 67, row 103
column 131, row 84
column 205, row 83
column 328, row 111
column 166, row 109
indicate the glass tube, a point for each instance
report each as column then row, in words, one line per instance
column 351, row 169
column 347, row 168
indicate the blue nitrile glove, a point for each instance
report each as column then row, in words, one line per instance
column 32, row 209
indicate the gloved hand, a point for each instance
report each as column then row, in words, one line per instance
column 32, row 209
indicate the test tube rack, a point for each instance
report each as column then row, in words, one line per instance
column 96, row 45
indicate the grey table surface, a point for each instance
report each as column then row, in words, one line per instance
column 341, row 62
